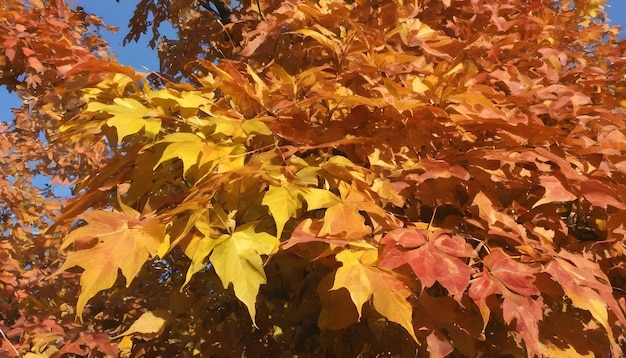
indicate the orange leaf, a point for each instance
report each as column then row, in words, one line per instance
column 555, row 192
column 110, row 241
column 36, row 64
column 344, row 220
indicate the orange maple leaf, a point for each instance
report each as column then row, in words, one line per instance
column 110, row 241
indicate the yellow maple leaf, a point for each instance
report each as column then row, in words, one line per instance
column 150, row 325
column 129, row 116
column 192, row 150
column 237, row 260
column 284, row 201
column 363, row 280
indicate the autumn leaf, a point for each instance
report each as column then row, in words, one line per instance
column 438, row 346
column 110, row 241
column 555, row 192
column 586, row 285
column 340, row 153
column 344, row 220
column 433, row 256
column 193, row 150
column 237, row 261
column 128, row 116
column 522, row 301
column 284, row 201
column 363, row 280
column 149, row 325
column 199, row 245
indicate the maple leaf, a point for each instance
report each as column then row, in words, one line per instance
column 148, row 326
column 110, row 241
column 555, row 192
column 237, row 260
column 198, row 247
column 284, row 201
column 363, row 280
column 344, row 219
column 323, row 36
column 435, row 169
column 377, row 113
column 514, row 281
column 599, row 194
column 433, row 256
column 193, row 150
column 438, row 346
column 128, row 116
column 498, row 222
column 587, row 286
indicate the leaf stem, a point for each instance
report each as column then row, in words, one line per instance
column 11, row 344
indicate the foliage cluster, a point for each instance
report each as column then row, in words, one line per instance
column 320, row 178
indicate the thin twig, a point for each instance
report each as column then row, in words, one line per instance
column 11, row 344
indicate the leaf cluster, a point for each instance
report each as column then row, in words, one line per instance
column 430, row 177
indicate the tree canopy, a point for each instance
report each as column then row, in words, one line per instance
column 315, row 178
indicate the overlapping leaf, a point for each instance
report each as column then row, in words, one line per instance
column 237, row 261
column 521, row 298
column 364, row 281
column 585, row 284
column 499, row 121
column 433, row 256
column 284, row 202
column 110, row 241
column 128, row 116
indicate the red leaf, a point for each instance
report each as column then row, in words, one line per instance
column 432, row 256
column 27, row 51
column 588, row 287
column 36, row 64
column 599, row 194
column 10, row 52
column 434, row 169
column 507, row 277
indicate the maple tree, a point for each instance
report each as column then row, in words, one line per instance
column 316, row 178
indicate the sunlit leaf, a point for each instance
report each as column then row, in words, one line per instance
column 237, row 261
column 364, row 281
column 110, row 241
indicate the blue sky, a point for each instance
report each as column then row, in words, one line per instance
column 140, row 56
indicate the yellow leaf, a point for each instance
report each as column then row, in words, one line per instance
column 261, row 90
column 323, row 39
column 185, row 99
column 363, row 280
column 110, row 241
column 129, row 116
column 412, row 30
column 150, row 325
column 418, row 86
column 283, row 202
column 237, row 260
column 318, row 198
column 192, row 150
column 251, row 126
column 199, row 247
